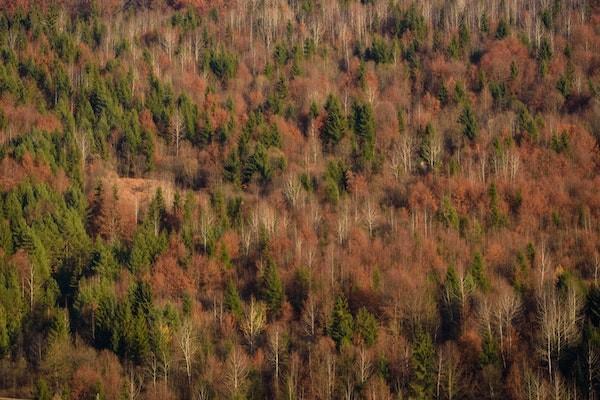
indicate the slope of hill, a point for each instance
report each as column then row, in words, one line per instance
column 301, row 199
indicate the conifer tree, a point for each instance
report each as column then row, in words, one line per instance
column 272, row 289
column 366, row 326
column 340, row 329
column 363, row 124
column 334, row 126
column 478, row 272
column 469, row 122
column 423, row 364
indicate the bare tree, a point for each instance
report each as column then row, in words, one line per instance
column 559, row 318
column 370, row 215
column 81, row 138
column 363, row 365
column 507, row 308
column 254, row 322
column 276, row 353
column 187, row 344
column 236, row 371
column 176, row 125
column 309, row 316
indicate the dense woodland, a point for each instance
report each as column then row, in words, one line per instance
column 300, row 199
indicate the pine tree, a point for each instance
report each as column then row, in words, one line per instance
column 478, row 272
column 366, row 326
column 334, row 126
column 4, row 337
column 272, row 289
column 502, row 30
column 469, row 121
column 423, row 364
column 232, row 300
column 363, row 124
column 340, row 328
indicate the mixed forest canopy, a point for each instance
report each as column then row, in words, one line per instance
column 300, row 199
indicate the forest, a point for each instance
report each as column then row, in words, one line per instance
column 300, row 199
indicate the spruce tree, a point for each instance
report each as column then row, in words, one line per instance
column 363, row 124
column 469, row 122
column 366, row 326
column 423, row 364
column 340, row 328
column 272, row 289
column 477, row 271
column 232, row 300
column 334, row 126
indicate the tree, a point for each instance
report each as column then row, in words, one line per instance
column 363, row 125
column 502, row 30
column 254, row 322
column 422, row 364
column 469, row 122
column 478, row 272
column 559, row 318
column 232, row 300
column 340, row 328
column 272, row 289
column 187, row 344
column 4, row 334
column 334, row 125
column 366, row 326
column 236, row 372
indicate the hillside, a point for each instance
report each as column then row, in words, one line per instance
column 300, row 199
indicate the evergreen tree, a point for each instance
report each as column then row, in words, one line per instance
column 478, row 272
column 340, row 329
column 469, row 121
column 4, row 334
column 363, row 124
column 502, row 30
column 232, row 300
column 334, row 126
column 272, row 289
column 423, row 363
column 366, row 326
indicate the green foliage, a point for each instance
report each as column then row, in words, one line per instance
column 272, row 289
column 409, row 21
column 340, row 327
column 380, row 52
column 544, row 55
column 526, row 122
column 560, row 143
column 469, row 122
column 447, row 214
column 490, row 353
column 502, row 30
column 566, row 81
column 464, row 36
column 150, row 239
column 334, row 126
column 422, row 362
column 363, row 126
column 335, row 180
column 4, row 333
column 478, row 272
column 300, row 289
column 496, row 219
column 593, row 305
column 232, row 300
column 160, row 102
column 365, row 326
column 223, row 64
column 42, row 391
